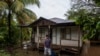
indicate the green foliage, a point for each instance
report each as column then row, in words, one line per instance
column 97, row 2
column 3, row 5
column 17, row 6
column 27, row 14
column 88, row 19
column 3, row 53
column 3, row 22
column 3, row 35
column 15, row 35
column 11, row 10
column 98, row 26
column 89, row 22
column 5, row 39
column 26, row 33
column 26, row 2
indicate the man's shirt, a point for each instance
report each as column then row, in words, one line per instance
column 47, row 43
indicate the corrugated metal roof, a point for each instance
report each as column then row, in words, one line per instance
column 55, row 20
column 58, row 20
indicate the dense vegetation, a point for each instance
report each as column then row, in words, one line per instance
column 14, row 13
column 86, row 14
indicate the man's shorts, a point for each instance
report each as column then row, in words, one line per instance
column 47, row 51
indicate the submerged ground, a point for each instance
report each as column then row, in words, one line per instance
column 93, row 51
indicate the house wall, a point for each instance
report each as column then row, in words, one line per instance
column 67, row 42
column 56, row 36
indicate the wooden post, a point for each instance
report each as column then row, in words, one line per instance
column 49, row 26
column 38, row 40
column 56, row 34
column 21, row 37
column 32, row 36
column 49, row 30
column 38, row 37
column 70, row 32
column 60, row 45
column 79, row 39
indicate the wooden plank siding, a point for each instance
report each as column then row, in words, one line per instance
column 64, row 34
column 56, row 37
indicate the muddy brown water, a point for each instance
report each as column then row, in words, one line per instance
column 93, row 51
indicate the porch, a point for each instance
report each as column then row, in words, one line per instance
column 65, row 35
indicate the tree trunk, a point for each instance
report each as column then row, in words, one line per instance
column 9, row 25
column 9, row 45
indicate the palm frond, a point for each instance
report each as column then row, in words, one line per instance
column 3, row 5
column 17, row 6
column 20, row 20
column 27, row 16
column 30, row 13
column 27, row 2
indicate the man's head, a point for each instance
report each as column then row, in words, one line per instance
column 47, row 36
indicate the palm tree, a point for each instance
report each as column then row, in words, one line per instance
column 15, row 9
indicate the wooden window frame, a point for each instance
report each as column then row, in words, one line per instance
column 70, row 33
column 63, row 31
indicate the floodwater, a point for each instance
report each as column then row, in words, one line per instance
column 21, row 52
column 30, row 53
column 93, row 51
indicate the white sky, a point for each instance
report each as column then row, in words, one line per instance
column 51, row 8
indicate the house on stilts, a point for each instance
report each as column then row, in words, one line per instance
column 65, row 34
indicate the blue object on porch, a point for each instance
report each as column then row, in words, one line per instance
column 53, row 53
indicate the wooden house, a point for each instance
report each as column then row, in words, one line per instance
column 64, row 33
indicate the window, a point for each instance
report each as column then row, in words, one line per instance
column 69, row 33
column 63, row 33
column 74, row 33
column 41, row 32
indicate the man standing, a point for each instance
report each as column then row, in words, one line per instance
column 47, row 46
